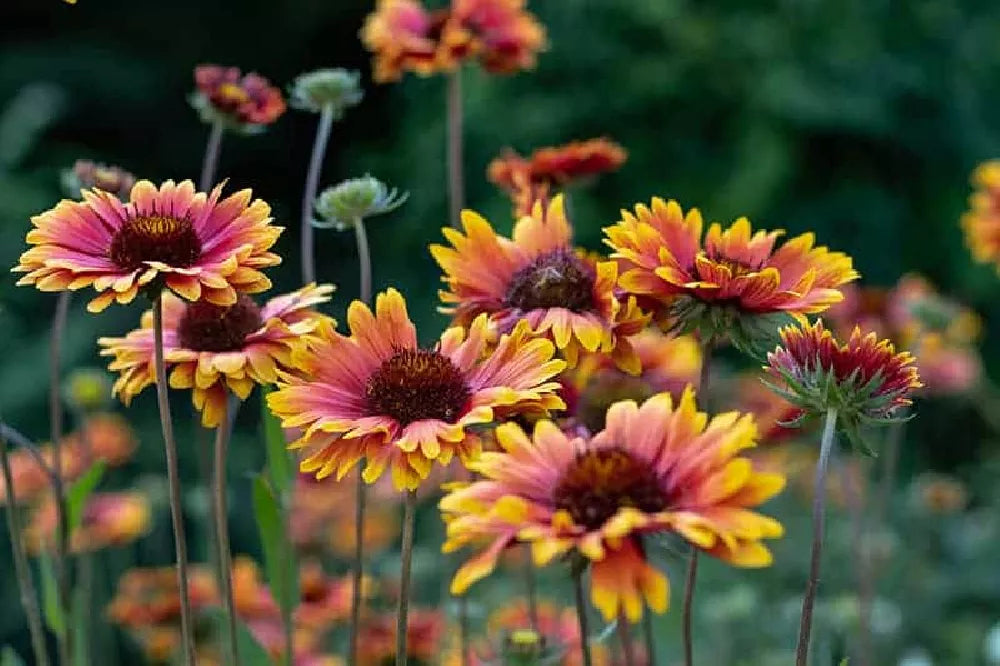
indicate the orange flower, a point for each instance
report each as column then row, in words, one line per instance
column 109, row 520
column 322, row 518
column 149, row 596
column 713, row 283
column 244, row 101
column 377, row 395
column 658, row 467
column 213, row 350
column 505, row 36
column 533, row 179
column 538, row 277
column 377, row 637
column 191, row 243
column 981, row 222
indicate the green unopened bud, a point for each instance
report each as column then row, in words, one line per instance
column 86, row 175
column 337, row 89
column 87, row 389
column 353, row 200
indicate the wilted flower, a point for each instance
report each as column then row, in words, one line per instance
column 655, row 468
column 334, row 89
column 355, row 199
column 241, row 102
column 87, row 175
column 214, row 350
column 173, row 237
column 108, row 520
column 865, row 380
column 87, row 389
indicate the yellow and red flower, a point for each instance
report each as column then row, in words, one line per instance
column 981, row 222
column 538, row 277
column 532, row 179
column 213, row 349
column 189, row 242
column 733, row 271
column 377, row 395
column 377, row 637
column 504, row 35
column 86, row 175
column 245, row 101
column 658, row 467
column 108, row 520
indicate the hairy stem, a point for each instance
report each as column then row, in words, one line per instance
column 221, row 513
column 173, row 482
column 819, row 510
column 456, row 175
column 581, row 615
column 211, row 160
column 406, row 557
column 364, row 261
column 309, row 194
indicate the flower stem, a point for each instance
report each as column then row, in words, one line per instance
column 211, row 161
column 581, row 614
column 530, row 587
column 855, row 490
column 174, row 482
column 222, row 433
column 649, row 637
column 819, row 508
column 456, row 176
column 358, row 573
column 364, row 260
column 625, row 635
column 25, row 584
column 55, row 427
column 406, row 556
column 309, row 194
column 692, row 578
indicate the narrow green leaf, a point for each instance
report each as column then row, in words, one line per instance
column 280, row 466
column 80, row 625
column 279, row 557
column 10, row 658
column 252, row 653
column 79, row 492
column 51, row 608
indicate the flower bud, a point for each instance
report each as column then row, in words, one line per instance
column 355, row 199
column 86, row 175
column 336, row 89
column 87, row 389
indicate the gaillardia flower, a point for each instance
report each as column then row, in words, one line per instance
column 504, row 35
column 981, row 222
column 108, row 519
column 86, row 175
column 716, row 285
column 377, row 395
column 658, row 467
column 865, row 379
column 537, row 276
column 189, row 242
column 215, row 349
column 243, row 102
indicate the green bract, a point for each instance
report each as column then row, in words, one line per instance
column 355, row 199
column 337, row 89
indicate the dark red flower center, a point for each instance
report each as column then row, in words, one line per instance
column 170, row 240
column 415, row 385
column 599, row 483
column 559, row 279
column 208, row 327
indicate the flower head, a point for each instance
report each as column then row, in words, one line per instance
column 355, row 199
column 864, row 379
column 189, row 242
column 377, row 638
column 322, row 518
column 655, row 468
column 335, row 89
column 505, row 36
column 87, row 175
column 539, row 277
column 213, row 349
column 719, row 285
column 108, row 520
column 245, row 102
column 378, row 395
column 981, row 222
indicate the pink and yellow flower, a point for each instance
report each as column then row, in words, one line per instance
column 538, row 277
column 189, row 242
column 214, row 350
column 658, row 467
column 664, row 257
column 377, row 638
column 377, row 395
column 108, row 520
column 226, row 94
column 505, row 36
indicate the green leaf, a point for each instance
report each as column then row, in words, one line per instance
column 51, row 608
column 79, row 492
column 279, row 557
column 280, row 466
column 252, row 653
column 80, row 623
column 10, row 658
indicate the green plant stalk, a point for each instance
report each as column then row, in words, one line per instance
column 25, row 584
column 58, row 488
column 530, row 585
column 819, row 510
column 456, row 159
column 406, row 557
column 581, row 614
column 221, row 514
column 210, row 163
column 174, row 483
column 308, row 241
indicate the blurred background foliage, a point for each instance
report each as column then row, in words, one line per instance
column 857, row 119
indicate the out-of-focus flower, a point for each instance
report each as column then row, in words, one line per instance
column 355, row 199
column 214, row 350
column 505, row 37
column 87, row 175
column 539, row 278
column 654, row 469
column 87, row 389
column 336, row 89
column 377, row 638
column 667, row 364
column 30, row 478
column 939, row 494
column 402, row 406
column 769, row 409
column 108, row 520
column 725, row 285
column 243, row 102
column 322, row 518
column 865, row 379
column 558, row 629
column 325, row 600
column 981, row 222
column 189, row 242
column 149, row 596
column 534, row 178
